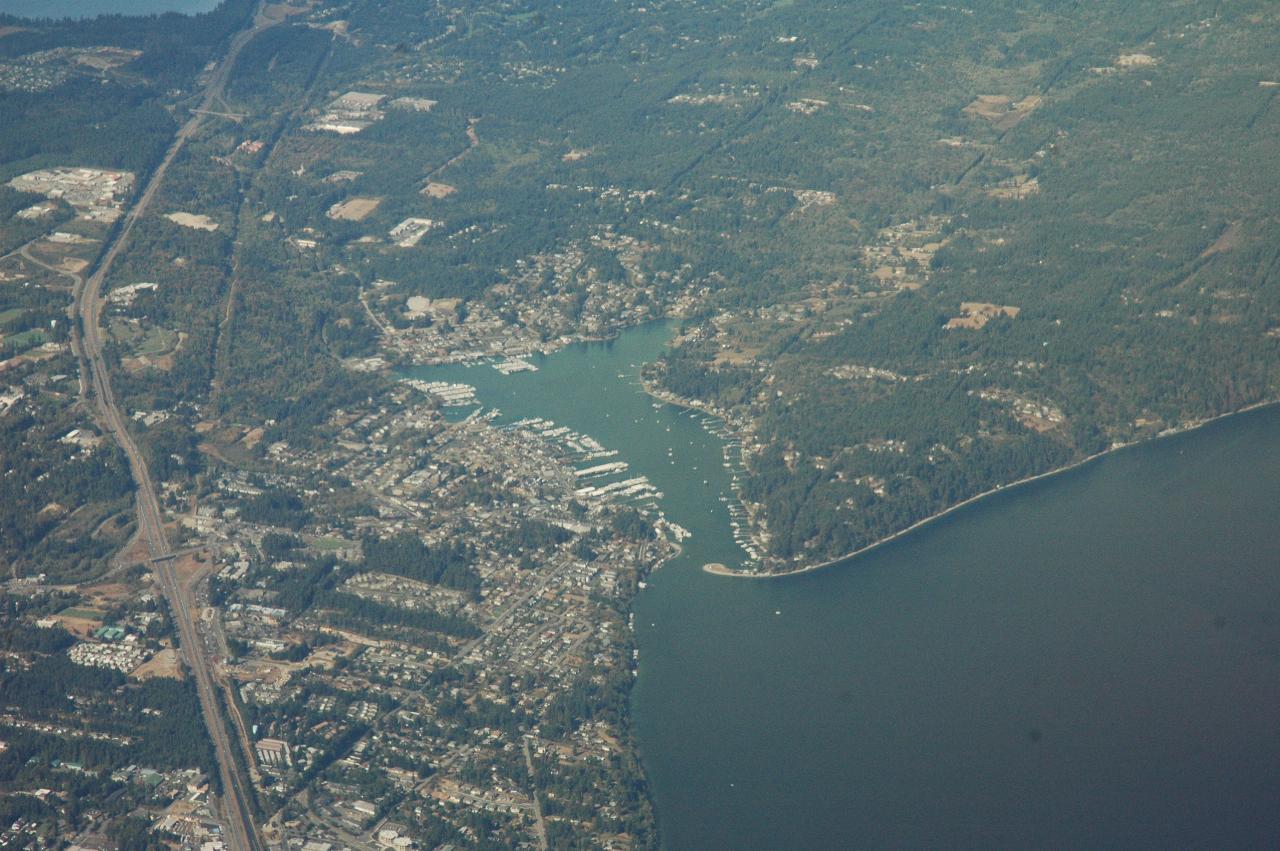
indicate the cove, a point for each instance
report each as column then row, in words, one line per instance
column 1091, row 660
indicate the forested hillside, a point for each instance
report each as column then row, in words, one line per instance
column 920, row 250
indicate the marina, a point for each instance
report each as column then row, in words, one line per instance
column 449, row 395
column 1056, row 640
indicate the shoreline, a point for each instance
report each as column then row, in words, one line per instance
column 717, row 569
column 666, row 397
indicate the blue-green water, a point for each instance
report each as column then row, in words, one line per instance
column 1089, row 661
column 92, row 8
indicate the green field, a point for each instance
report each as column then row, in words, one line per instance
column 25, row 340
column 157, row 341
column 84, row 614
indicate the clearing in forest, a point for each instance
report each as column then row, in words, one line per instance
column 438, row 190
column 354, row 209
column 975, row 314
column 1227, row 240
column 1001, row 110
column 195, row 221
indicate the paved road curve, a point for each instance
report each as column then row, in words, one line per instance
column 242, row 834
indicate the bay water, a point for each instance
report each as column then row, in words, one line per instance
column 1091, row 660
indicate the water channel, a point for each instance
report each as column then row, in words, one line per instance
column 1092, row 660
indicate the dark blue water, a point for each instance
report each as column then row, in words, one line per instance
column 1088, row 661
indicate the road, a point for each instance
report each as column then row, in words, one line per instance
column 473, row 139
column 77, row 284
column 537, row 805
column 242, row 834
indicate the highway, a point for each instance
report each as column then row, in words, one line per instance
column 242, row 833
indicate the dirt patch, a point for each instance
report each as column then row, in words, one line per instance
column 438, row 190
column 229, row 435
column 195, row 221
column 1135, row 60
column 417, row 306
column 576, row 154
column 989, row 107
column 4, row 31
column 353, row 209
column 107, row 59
column 338, row 28
column 166, row 663
column 888, row 273
column 217, row 452
column 73, row 265
column 1226, row 241
column 975, row 314
column 135, row 552
column 1037, row 423
column 327, row 657
column 186, row 567
column 281, row 11
column 1015, row 188
column 133, row 365
column 79, row 622
column 52, row 511
column 736, row 356
column 112, row 592
column 79, row 627
column 262, row 671
column 807, row 106
column 1002, row 111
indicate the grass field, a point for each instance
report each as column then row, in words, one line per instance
column 25, row 340
column 82, row 614
column 157, row 341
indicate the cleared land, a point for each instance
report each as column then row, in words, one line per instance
column 975, row 314
column 79, row 622
column 1001, row 110
column 195, row 221
column 438, row 190
column 163, row 664
column 354, row 209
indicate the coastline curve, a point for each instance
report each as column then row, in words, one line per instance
column 717, row 569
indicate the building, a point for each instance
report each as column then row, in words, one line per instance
column 273, row 753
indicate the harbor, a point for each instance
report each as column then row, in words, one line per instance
column 1016, row 640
